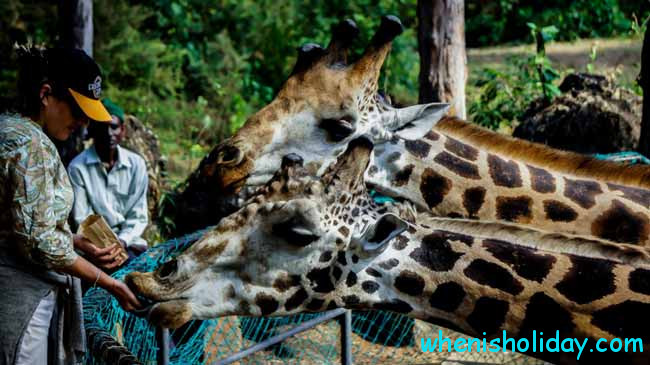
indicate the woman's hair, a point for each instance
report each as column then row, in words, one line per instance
column 33, row 72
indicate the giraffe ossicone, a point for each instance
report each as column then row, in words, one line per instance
column 309, row 243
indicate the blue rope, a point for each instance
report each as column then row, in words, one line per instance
column 629, row 157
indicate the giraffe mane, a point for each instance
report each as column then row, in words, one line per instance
column 542, row 156
column 545, row 241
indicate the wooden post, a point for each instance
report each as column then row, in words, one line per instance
column 443, row 61
column 644, row 82
column 76, row 24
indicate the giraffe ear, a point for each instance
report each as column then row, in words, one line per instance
column 415, row 121
column 376, row 236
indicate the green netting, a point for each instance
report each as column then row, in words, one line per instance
column 378, row 337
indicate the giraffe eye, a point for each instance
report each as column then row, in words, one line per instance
column 338, row 129
column 294, row 233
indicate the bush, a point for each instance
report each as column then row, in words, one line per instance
column 504, row 21
column 504, row 94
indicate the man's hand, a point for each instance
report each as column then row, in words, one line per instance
column 106, row 258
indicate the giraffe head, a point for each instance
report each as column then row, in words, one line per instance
column 279, row 253
column 324, row 104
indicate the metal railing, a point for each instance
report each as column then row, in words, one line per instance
column 343, row 316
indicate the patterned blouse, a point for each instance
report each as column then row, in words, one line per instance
column 35, row 195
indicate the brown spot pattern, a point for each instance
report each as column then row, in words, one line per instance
column 267, row 303
column 559, row 212
column 587, row 280
column 432, row 136
column 402, row 176
column 494, row 276
column 504, row 173
column 457, row 166
column 514, row 209
column 473, row 199
column 523, row 260
column 620, row 224
column 639, row 196
column 433, row 187
column 417, row 147
column 541, row 180
column 461, row 149
column 286, row 282
column 409, row 282
column 582, row 192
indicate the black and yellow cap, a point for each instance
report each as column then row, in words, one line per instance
column 75, row 71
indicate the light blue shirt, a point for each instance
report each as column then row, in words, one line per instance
column 120, row 195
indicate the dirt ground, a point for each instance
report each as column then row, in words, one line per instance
column 320, row 345
column 622, row 56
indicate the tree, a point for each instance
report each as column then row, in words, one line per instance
column 76, row 24
column 443, row 62
column 75, row 31
column 644, row 82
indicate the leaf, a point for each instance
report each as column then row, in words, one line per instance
column 549, row 32
column 176, row 9
column 550, row 74
column 207, row 121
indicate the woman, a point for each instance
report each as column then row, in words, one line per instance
column 59, row 91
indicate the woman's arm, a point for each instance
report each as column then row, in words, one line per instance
column 88, row 272
column 37, row 206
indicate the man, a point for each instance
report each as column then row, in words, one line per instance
column 111, row 181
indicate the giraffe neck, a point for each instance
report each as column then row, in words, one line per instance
column 503, row 277
column 454, row 176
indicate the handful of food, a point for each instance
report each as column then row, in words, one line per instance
column 96, row 230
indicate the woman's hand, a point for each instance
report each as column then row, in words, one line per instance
column 124, row 296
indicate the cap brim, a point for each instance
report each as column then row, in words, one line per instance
column 93, row 108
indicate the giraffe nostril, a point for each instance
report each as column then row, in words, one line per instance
column 167, row 269
column 291, row 160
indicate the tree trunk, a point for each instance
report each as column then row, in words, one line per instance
column 644, row 82
column 76, row 24
column 443, row 62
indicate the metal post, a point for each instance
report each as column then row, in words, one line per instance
column 162, row 337
column 336, row 313
column 346, row 340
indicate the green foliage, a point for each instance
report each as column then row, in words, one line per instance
column 638, row 27
column 195, row 70
column 504, row 94
column 547, row 74
column 501, row 21
column 592, row 57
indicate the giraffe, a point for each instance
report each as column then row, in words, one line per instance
column 326, row 102
column 308, row 243
column 461, row 170
column 456, row 170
